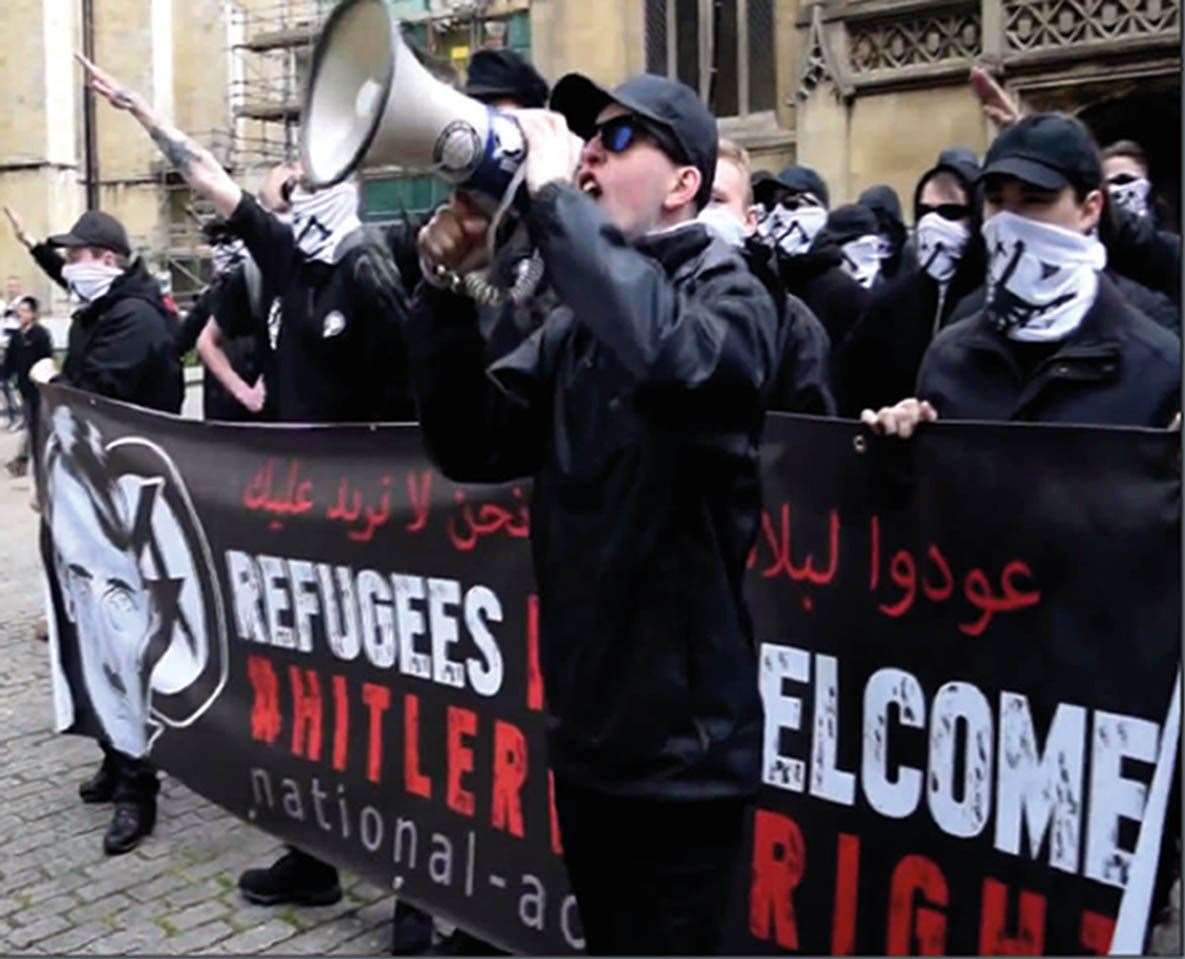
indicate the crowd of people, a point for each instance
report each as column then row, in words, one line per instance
column 677, row 296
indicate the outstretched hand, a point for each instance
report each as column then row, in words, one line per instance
column 18, row 226
column 110, row 89
column 997, row 105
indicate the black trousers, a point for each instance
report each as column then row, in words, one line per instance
column 135, row 779
column 651, row 877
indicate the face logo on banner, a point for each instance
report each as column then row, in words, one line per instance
column 137, row 582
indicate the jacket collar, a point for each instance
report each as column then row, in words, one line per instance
column 675, row 246
column 1098, row 332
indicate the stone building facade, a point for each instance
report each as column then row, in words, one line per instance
column 866, row 91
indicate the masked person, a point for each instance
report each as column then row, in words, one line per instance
column 120, row 347
column 31, row 344
column 792, row 208
column 637, row 407
column 335, row 350
column 897, row 254
column 801, row 383
column 880, row 358
column 1054, row 342
column 1125, row 166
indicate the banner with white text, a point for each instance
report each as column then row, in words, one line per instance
column 966, row 645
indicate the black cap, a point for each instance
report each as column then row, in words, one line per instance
column 797, row 179
column 1048, row 150
column 850, row 222
column 494, row 74
column 98, row 229
column 883, row 201
column 667, row 103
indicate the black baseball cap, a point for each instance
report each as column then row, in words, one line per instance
column 494, row 74
column 666, row 103
column 1048, row 150
column 797, row 179
column 98, row 229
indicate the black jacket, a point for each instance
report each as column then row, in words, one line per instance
column 882, row 201
column 802, row 376
column 24, row 349
column 1117, row 369
column 819, row 281
column 877, row 365
column 1139, row 251
column 638, row 408
column 122, row 346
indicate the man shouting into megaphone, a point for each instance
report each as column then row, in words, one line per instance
column 637, row 408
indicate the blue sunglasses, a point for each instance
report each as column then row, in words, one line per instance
column 620, row 133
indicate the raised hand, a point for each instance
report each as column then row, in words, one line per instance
column 18, row 226
column 997, row 105
column 110, row 89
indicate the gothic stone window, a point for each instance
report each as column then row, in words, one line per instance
column 689, row 39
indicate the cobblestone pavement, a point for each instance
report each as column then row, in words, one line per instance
column 175, row 894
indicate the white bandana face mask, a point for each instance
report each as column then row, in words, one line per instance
column 1041, row 278
column 726, row 226
column 321, row 220
column 1131, row 195
column 793, row 231
column 941, row 244
column 90, row 281
column 862, row 259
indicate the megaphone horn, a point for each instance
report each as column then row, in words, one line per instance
column 370, row 102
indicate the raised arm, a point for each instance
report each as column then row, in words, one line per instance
column 194, row 162
column 43, row 254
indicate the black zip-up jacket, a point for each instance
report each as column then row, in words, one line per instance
column 638, row 409
column 122, row 346
column 1117, row 369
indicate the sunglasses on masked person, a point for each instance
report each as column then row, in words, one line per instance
column 620, row 133
column 948, row 211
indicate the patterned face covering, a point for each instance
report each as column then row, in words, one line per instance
column 862, row 259
column 793, row 231
column 1041, row 278
column 1130, row 193
column 321, row 220
column 941, row 243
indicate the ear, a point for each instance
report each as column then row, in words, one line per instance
column 684, row 189
column 1090, row 211
column 752, row 217
column 109, row 259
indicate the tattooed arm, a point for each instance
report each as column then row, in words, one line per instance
column 194, row 162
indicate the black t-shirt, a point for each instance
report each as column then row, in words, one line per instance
column 333, row 353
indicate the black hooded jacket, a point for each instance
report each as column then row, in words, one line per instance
column 638, row 408
column 818, row 279
column 877, row 365
column 122, row 346
column 883, row 203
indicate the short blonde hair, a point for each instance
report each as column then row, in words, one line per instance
column 738, row 156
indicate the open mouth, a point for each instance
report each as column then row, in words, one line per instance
column 587, row 184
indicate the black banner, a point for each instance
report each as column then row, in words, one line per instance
column 967, row 648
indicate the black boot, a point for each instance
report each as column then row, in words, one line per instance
column 131, row 823
column 294, row 877
column 101, row 786
column 412, row 931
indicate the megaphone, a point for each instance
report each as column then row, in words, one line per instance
column 370, row 102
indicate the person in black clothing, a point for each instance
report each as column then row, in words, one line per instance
column 824, row 277
column 897, row 251
column 335, row 350
column 880, row 358
column 1054, row 342
column 802, row 381
column 638, row 408
column 30, row 344
column 121, row 347
column 792, row 208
